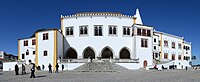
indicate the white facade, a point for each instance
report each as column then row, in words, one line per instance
column 27, row 51
column 110, row 36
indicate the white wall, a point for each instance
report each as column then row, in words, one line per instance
column 9, row 66
column 30, row 48
column 69, row 66
column 59, row 44
column 46, row 45
column 79, row 43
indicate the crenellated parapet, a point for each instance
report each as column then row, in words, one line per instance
column 114, row 14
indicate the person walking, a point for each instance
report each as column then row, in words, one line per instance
column 33, row 71
column 16, row 69
column 23, row 69
column 186, row 68
column 50, row 70
column 57, row 66
column 42, row 67
column 62, row 67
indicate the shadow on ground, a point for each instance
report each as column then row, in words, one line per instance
column 40, row 76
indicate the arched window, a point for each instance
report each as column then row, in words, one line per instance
column 71, row 31
column 128, row 31
column 114, row 30
column 96, row 31
column 124, row 31
column 110, row 30
column 67, row 31
column 81, row 30
column 85, row 30
column 100, row 31
column 27, row 52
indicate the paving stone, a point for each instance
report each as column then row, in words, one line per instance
column 117, row 76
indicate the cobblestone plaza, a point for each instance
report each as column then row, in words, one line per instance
column 106, row 76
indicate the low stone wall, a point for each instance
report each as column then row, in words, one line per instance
column 9, row 66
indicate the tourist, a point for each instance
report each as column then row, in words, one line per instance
column 90, row 58
column 186, row 68
column 50, row 70
column 62, row 67
column 33, row 71
column 16, row 69
column 57, row 66
column 42, row 67
column 38, row 68
column 163, row 67
column 23, row 69
column 155, row 66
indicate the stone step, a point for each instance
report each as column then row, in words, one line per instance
column 100, row 66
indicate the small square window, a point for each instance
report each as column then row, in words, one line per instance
column 179, row 46
column 83, row 30
column 45, row 36
column 26, row 43
column 23, row 56
column 179, row 57
column 112, row 30
column 173, row 56
column 144, row 43
column 166, row 43
column 45, row 53
column 33, row 42
column 69, row 31
column 98, row 30
column 148, row 32
column 165, row 55
column 138, row 31
column 173, row 44
column 33, row 52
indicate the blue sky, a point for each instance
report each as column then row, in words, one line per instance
column 20, row 18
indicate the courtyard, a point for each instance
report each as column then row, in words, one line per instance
column 106, row 76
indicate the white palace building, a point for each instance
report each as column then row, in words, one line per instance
column 105, row 36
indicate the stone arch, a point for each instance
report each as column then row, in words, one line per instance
column 70, row 53
column 124, row 53
column 107, row 52
column 88, row 52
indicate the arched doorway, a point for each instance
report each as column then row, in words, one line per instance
column 88, row 52
column 145, row 63
column 107, row 53
column 124, row 54
column 70, row 54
